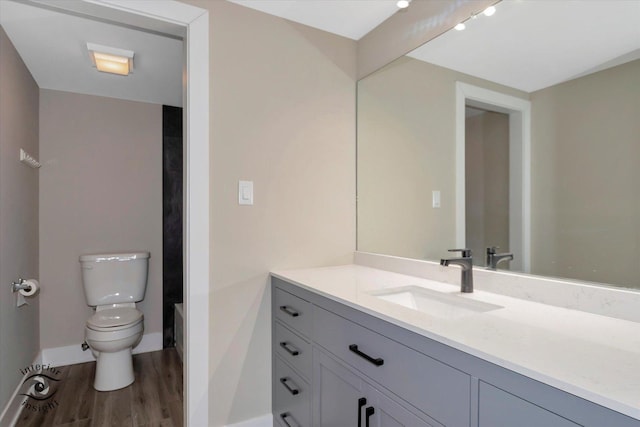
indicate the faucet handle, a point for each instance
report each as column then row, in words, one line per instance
column 466, row 253
column 492, row 250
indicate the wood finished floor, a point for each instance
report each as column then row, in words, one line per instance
column 154, row 399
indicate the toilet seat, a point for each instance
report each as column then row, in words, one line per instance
column 114, row 319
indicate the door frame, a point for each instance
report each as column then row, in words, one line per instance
column 191, row 23
column 519, row 112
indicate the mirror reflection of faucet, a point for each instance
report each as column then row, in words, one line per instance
column 494, row 258
column 466, row 264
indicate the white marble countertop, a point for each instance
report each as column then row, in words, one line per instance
column 589, row 355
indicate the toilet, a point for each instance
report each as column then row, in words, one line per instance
column 113, row 284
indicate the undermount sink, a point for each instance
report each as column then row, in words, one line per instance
column 434, row 303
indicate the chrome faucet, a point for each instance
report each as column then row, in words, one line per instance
column 466, row 264
column 494, row 258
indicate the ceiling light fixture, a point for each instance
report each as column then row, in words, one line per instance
column 490, row 11
column 403, row 4
column 487, row 12
column 110, row 59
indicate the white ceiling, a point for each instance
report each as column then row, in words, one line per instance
column 348, row 18
column 513, row 47
column 533, row 44
column 53, row 46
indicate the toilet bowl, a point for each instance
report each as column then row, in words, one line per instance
column 113, row 283
column 111, row 334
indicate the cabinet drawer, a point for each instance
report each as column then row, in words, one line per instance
column 439, row 390
column 292, row 311
column 293, row 349
column 291, row 397
column 497, row 408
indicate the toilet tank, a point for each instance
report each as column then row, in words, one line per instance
column 114, row 278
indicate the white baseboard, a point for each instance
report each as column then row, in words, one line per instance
column 263, row 421
column 72, row 354
column 11, row 412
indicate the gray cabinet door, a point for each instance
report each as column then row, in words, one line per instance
column 341, row 399
column 336, row 393
column 388, row 413
column 501, row 409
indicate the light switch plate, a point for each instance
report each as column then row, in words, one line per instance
column 435, row 198
column 245, row 192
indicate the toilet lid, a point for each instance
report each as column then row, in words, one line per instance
column 114, row 317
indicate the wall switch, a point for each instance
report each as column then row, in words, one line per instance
column 435, row 198
column 245, row 192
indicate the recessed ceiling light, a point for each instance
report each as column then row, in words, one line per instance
column 110, row 59
column 460, row 26
column 403, row 4
column 490, row 11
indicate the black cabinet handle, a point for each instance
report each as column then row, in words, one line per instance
column 289, row 311
column 378, row 362
column 368, row 412
column 361, row 402
column 284, row 416
column 291, row 390
column 289, row 348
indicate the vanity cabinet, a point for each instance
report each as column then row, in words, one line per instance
column 330, row 371
column 350, row 368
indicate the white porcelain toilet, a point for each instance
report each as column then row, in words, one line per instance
column 113, row 283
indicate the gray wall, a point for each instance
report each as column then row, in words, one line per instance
column 283, row 114
column 19, row 333
column 100, row 191
column 585, row 198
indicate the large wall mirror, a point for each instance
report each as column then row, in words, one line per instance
column 521, row 131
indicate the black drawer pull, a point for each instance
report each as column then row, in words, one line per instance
column 292, row 390
column 284, row 416
column 378, row 362
column 290, row 349
column 361, row 402
column 368, row 412
column 289, row 311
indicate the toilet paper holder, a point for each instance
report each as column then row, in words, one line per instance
column 20, row 285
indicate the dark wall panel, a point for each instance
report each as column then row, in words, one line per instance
column 172, row 218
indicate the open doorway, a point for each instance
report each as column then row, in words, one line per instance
column 509, row 219
column 191, row 24
column 486, row 182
